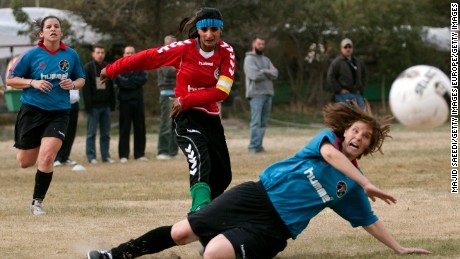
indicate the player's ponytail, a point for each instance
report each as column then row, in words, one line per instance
column 188, row 22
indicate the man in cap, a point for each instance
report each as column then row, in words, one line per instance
column 347, row 76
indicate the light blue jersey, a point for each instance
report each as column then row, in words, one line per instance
column 41, row 64
column 302, row 186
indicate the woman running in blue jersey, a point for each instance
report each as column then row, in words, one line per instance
column 255, row 219
column 45, row 74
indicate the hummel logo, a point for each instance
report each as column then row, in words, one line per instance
column 205, row 63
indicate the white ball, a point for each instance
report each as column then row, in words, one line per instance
column 420, row 97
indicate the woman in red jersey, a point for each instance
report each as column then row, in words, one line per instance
column 205, row 68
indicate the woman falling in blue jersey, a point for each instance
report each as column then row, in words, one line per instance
column 45, row 74
column 255, row 219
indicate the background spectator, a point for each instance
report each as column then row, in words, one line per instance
column 99, row 102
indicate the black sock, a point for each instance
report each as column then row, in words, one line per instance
column 154, row 241
column 42, row 183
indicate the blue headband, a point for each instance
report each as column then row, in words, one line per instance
column 210, row 23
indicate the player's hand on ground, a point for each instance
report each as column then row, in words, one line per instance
column 413, row 250
column 103, row 77
column 374, row 192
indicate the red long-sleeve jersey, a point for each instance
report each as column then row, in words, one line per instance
column 202, row 79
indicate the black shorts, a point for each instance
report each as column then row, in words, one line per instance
column 247, row 218
column 33, row 123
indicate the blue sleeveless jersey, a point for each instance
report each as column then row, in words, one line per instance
column 40, row 64
column 302, row 186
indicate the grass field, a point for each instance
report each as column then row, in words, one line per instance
column 111, row 203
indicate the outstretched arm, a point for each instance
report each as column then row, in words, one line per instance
column 379, row 231
column 340, row 162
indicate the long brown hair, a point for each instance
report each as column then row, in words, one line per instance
column 340, row 116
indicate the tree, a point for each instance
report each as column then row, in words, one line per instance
column 388, row 35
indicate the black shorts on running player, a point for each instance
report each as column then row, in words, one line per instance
column 33, row 123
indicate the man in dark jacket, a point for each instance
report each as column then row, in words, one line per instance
column 131, row 97
column 347, row 76
column 99, row 102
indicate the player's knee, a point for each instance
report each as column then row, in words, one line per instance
column 219, row 247
column 24, row 163
column 209, row 253
column 212, row 252
column 47, row 159
column 181, row 235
